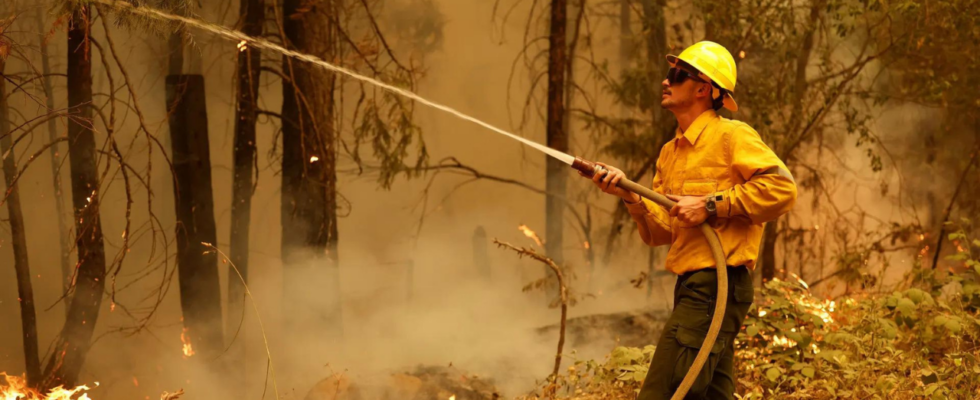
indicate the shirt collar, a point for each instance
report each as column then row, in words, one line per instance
column 694, row 131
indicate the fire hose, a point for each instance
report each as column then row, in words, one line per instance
column 589, row 169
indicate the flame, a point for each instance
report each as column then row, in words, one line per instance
column 242, row 46
column 186, row 340
column 314, row 159
column 16, row 389
column 586, row 244
column 783, row 341
column 762, row 313
column 529, row 233
column 741, row 54
column 453, row 397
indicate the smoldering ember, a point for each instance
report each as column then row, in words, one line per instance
column 489, row 199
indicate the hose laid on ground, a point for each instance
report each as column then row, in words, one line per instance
column 589, row 169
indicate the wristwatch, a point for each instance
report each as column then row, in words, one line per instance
column 710, row 203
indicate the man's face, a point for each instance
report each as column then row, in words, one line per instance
column 681, row 95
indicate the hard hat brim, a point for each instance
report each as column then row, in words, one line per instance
column 729, row 102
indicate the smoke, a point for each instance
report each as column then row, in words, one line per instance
column 411, row 296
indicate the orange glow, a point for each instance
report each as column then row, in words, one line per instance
column 16, row 388
column 186, row 340
column 529, row 233
column 783, row 341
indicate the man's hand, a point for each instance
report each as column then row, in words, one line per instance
column 690, row 210
column 608, row 181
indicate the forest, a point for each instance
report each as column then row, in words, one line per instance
column 352, row 199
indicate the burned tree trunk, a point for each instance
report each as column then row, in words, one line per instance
column 655, row 26
column 200, row 292
column 309, row 194
column 252, row 12
column 197, row 268
column 63, row 228
column 557, row 137
column 69, row 352
column 25, row 291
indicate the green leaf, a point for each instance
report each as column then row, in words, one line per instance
column 752, row 330
column 773, row 374
column 918, row 296
column 809, row 372
column 888, row 328
column 906, row 307
column 829, row 355
column 954, row 326
column 639, row 376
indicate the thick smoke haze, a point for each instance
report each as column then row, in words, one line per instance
column 411, row 291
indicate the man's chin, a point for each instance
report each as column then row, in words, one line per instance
column 667, row 104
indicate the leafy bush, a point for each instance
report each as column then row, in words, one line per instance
column 919, row 342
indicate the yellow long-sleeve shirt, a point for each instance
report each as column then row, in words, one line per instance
column 727, row 159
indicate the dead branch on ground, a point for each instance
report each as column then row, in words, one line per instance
column 563, row 293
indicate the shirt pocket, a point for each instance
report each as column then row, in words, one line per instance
column 699, row 187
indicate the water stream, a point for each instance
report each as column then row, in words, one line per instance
column 242, row 38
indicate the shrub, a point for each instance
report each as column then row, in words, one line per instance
column 922, row 341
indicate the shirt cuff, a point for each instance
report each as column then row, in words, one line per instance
column 723, row 204
column 639, row 208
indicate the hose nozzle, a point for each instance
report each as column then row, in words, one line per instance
column 586, row 167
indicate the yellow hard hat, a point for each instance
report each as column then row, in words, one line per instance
column 714, row 62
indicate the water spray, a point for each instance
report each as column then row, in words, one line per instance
column 587, row 168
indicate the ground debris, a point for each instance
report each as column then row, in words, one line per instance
column 632, row 328
column 419, row 383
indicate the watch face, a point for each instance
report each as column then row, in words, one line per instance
column 710, row 205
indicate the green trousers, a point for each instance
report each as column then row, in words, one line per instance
column 683, row 335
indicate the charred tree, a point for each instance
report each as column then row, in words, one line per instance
column 309, row 177
column 72, row 346
column 252, row 13
column 557, row 137
column 200, row 291
column 197, row 268
column 25, row 291
column 655, row 27
column 63, row 228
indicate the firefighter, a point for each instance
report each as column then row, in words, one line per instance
column 718, row 171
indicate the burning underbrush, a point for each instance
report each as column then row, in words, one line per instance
column 16, row 388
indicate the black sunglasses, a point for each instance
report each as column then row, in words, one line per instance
column 677, row 75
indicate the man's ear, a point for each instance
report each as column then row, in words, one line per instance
column 705, row 90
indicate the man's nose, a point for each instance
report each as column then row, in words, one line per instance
column 665, row 84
